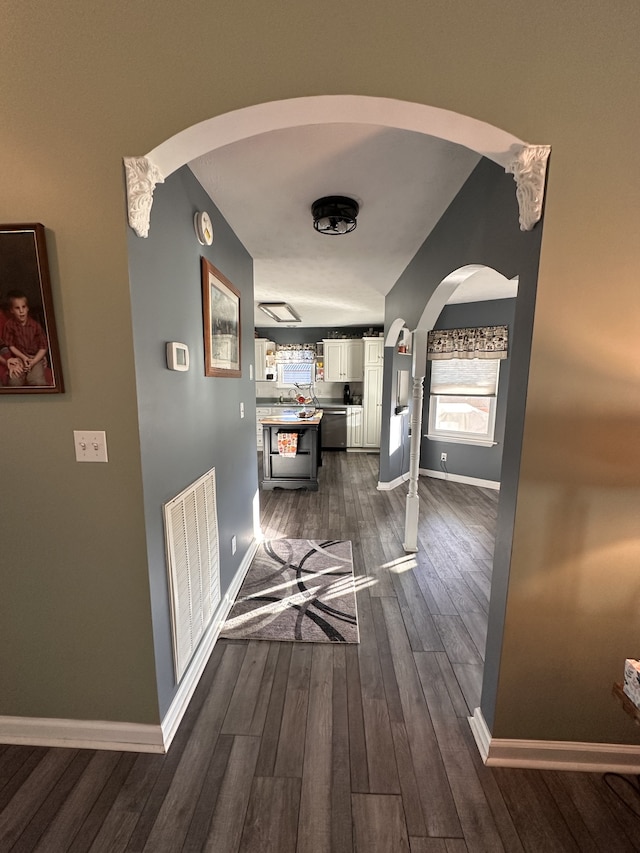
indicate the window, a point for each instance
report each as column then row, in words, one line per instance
column 462, row 402
column 295, row 373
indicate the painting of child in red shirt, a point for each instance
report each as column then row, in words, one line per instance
column 27, row 340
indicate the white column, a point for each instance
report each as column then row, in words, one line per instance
column 419, row 365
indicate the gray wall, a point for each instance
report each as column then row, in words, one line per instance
column 480, row 226
column 469, row 460
column 188, row 422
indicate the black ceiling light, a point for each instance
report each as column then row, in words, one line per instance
column 335, row 214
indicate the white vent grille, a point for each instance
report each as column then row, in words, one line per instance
column 193, row 563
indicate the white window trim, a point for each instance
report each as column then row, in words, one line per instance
column 281, row 384
column 447, row 439
column 457, row 437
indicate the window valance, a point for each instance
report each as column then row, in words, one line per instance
column 295, row 352
column 483, row 342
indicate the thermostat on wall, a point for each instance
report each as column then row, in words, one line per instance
column 177, row 356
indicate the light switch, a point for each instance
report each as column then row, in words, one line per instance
column 91, row 445
column 241, row 410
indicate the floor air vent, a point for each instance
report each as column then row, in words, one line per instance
column 193, row 563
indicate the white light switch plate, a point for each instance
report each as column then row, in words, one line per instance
column 91, row 445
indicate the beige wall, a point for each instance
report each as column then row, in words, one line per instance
column 80, row 90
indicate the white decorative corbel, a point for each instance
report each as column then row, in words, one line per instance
column 529, row 168
column 142, row 177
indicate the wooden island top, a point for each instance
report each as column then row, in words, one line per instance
column 290, row 418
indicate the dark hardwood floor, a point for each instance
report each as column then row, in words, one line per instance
column 316, row 748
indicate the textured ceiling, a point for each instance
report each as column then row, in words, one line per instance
column 264, row 187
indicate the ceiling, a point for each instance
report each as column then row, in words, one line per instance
column 403, row 181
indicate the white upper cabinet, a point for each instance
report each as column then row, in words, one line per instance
column 343, row 360
column 373, row 350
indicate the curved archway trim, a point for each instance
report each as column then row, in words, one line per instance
column 526, row 162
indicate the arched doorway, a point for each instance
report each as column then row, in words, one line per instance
column 466, row 286
column 500, row 148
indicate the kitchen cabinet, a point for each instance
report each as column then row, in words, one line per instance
column 373, row 350
column 265, row 360
column 354, row 426
column 263, row 412
column 343, row 360
column 372, row 392
column 372, row 405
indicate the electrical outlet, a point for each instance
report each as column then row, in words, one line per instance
column 443, row 457
column 234, row 544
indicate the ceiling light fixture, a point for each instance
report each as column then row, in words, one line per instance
column 335, row 214
column 281, row 312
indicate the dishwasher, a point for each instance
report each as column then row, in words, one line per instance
column 333, row 428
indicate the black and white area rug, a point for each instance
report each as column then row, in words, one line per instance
column 297, row 589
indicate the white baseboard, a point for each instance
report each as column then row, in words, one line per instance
column 481, row 733
column 81, row 734
column 461, row 478
column 192, row 676
column 553, row 755
column 387, row 487
column 128, row 737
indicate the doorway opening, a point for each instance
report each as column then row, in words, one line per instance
column 491, row 144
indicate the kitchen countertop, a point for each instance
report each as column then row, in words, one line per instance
column 287, row 419
column 261, row 401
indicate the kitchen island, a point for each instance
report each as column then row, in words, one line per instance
column 299, row 471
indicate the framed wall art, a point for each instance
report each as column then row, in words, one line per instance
column 221, row 315
column 29, row 354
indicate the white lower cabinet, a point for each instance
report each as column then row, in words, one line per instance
column 354, row 426
column 262, row 412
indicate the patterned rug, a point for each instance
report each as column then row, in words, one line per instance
column 297, row 589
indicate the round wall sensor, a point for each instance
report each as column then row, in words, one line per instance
column 204, row 228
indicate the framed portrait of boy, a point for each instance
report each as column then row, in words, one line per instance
column 29, row 353
column 221, row 315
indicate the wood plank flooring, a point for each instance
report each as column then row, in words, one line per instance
column 296, row 748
